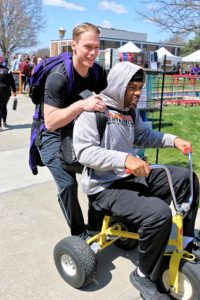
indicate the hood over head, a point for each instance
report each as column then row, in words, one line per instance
column 118, row 79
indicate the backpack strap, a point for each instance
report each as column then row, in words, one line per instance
column 101, row 123
column 38, row 124
column 132, row 112
column 69, row 69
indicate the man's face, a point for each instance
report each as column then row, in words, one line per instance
column 86, row 49
column 132, row 94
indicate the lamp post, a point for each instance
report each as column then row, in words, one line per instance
column 61, row 32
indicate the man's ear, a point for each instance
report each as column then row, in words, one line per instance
column 73, row 45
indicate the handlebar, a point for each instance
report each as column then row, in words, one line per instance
column 184, row 207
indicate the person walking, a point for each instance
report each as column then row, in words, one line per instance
column 25, row 69
column 60, row 110
column 7, row 84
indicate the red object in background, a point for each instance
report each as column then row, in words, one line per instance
column 126, row 56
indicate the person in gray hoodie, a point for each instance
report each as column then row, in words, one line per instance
column 142, row 198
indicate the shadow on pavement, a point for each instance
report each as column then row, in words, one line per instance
column 105, row 264
column 20, row 126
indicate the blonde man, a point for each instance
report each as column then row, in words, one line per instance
column 60, row 110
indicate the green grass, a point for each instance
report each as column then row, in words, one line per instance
column 185, row 123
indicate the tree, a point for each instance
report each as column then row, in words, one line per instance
column 175, row 39
column 42, row 52
column 20, row 21
column 176, row 16
column 192, row 45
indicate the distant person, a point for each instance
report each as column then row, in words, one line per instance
column 16, row 63
column 195, row 70
column 188, row 68
column 39, row 59
column 33, row 63
column 25, row 69
column 178, row 68
column 6, row 84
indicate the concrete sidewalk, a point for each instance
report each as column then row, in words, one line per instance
column 32, row 223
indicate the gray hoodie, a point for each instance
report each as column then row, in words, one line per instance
column 124, row 134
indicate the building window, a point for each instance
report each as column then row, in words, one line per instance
column 102, row 44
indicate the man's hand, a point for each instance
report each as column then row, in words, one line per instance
column 94, row 103
column 137, row 166
column 181, row 144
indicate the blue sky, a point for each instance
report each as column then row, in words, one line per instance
column 118, row 14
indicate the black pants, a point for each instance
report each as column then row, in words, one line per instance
column 145, row 202
column 65, row 181
column 3, row 106
column 26, row 82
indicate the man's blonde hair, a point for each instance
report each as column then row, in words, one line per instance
column 84, row 27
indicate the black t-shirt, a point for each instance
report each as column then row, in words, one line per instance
column 56, row 85
column 56, row 95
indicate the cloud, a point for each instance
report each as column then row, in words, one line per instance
column 106, row 24
column 113, row 6
column 64, row 4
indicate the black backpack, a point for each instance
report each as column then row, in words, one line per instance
column 70, row 163
column 67, row 155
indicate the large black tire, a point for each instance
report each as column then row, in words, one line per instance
column 75, row 261
column 189, row 279
column 125, row 243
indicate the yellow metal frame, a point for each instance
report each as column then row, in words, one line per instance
column 109, row 235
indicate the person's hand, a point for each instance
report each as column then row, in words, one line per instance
column 14, row 94
column 137, row 166
column 94, row 103
column 182, row 144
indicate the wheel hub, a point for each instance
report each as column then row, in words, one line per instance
column 184, row 287
column 68, row 265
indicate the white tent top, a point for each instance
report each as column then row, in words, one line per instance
column 169, row 56
column 193, row 57
column 129, row 47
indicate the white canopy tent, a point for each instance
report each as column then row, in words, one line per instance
column 169, row 56
column 193, row 57
column 129, row 47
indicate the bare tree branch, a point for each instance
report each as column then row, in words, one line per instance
column 176, row 16
column 20, row 22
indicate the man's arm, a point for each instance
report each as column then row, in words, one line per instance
column 138, row 167
column 59, row 117
column 55, row 115
column 148, row 138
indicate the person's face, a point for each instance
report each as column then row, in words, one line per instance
column 132, row 94
column 86, row 49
